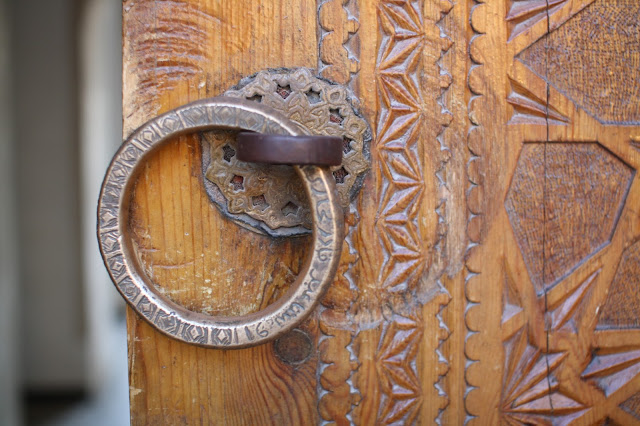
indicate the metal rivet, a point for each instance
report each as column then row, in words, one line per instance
column 294, row 347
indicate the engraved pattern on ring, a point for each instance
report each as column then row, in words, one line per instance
column 172, row 319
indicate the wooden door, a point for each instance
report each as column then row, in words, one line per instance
column 491, row 266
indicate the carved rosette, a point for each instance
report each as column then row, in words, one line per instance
column 270, row 199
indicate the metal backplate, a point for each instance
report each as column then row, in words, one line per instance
column 270, row 199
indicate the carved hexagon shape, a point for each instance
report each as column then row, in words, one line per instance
column 563, row 204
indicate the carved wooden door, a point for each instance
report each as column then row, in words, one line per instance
column 491, row 265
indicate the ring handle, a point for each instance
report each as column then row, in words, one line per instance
column 124, row 267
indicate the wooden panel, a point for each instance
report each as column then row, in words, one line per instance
column 561, row 212
column 176, row 52
column 488, row 265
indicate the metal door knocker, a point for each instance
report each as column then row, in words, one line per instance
column 270, row 203
column 118, row 251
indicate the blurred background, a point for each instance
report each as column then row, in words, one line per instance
column 63, row 357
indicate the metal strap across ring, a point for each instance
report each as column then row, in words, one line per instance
column 172, row 319
column 279, row 149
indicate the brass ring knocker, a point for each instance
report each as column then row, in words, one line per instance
column 169, row 317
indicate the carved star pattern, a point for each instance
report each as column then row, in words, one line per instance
column 399, row 128
column 396, row 364
column 525, row 13
column 546, row 384
column 531, row 392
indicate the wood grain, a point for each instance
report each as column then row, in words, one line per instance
column 489, row 268
column 177, row 52
column 555, row 365
column 558, row 192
